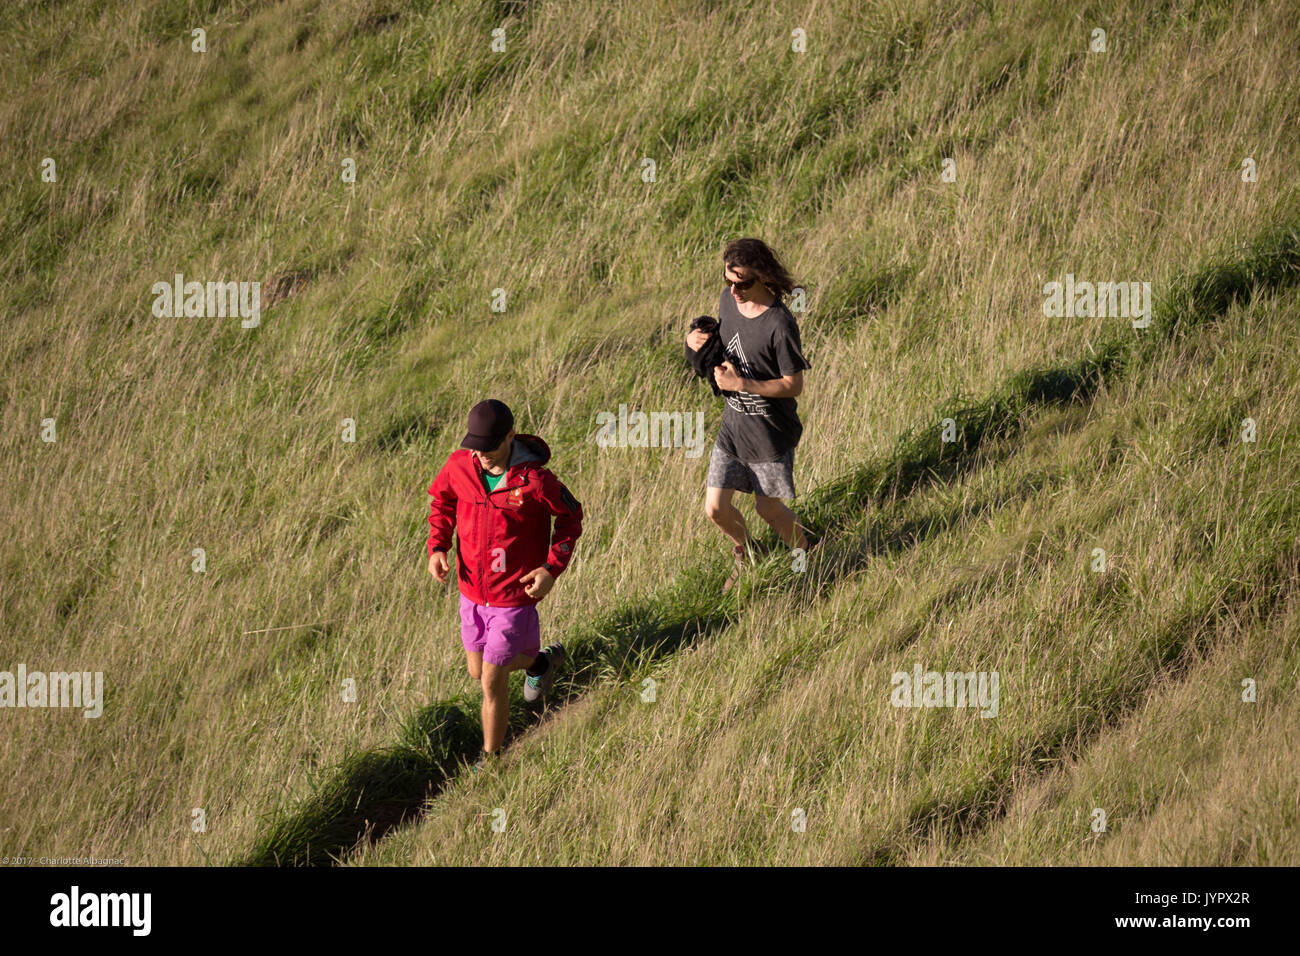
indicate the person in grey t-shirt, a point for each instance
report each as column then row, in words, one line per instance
column 763, row 374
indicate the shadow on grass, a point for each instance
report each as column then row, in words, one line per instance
column 1251, row 598
column 372, row 792
column 945, row 447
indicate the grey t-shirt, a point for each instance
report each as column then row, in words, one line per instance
column 767, row 346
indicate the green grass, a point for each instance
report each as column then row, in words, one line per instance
column 522, row 171
column 627, row 644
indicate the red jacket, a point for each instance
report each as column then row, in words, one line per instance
column 507, row 533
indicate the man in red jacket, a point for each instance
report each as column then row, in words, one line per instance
column 497, row 496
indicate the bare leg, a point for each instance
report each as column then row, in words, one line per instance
column 718, row 506
column 782, row 520
column 496, row 699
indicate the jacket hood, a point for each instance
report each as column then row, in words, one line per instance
column 529, row 448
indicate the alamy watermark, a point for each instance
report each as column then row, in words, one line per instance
column 946, row 689
column 1121, row 300
column 130, row 910
column 81, row 689
column 212, row 300
column 651, row 430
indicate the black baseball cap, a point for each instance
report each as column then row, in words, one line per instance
column 489, row 423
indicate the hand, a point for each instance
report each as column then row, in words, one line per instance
column 727, row 378
column 438, row 566
column 537, row 582
column 696, row 338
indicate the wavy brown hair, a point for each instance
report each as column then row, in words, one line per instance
column 754, row 255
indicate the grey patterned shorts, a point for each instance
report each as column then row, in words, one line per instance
column 774, row 479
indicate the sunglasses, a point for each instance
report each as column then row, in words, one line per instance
column 739, row 286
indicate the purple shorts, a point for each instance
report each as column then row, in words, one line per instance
column 499, row 633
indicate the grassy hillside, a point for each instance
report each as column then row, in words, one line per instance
column 522, row 170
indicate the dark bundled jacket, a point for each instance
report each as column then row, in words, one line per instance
column 506, row 533
column 709, row 355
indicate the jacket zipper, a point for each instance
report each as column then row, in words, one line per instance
column 487, row 514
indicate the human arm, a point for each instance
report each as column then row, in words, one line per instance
column 566, row 509
column 442, row 523
column 787, row 359
column 787, row 386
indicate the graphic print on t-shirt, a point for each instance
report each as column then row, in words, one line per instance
column 760, row 348
column 743, row 401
